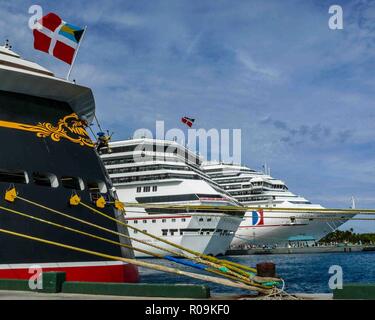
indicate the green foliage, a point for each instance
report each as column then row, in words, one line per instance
column 349, row 236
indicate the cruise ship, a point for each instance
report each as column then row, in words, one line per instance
column 48, row 156
column 260, row 190
column 158, row 172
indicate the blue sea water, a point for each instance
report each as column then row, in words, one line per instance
column 303, row 273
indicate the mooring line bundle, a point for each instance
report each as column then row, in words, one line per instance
column 74, row 199
column 141, row 263
column 228, row 265
column 240, row 276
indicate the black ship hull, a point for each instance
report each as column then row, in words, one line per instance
column 48, row 168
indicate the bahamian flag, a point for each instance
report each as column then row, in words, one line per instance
column 71, row 32
column 57, row 38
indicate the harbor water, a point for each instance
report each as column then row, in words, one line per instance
column 303, row 273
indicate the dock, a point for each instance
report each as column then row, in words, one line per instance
column 27, row 295
column 55, row 287
column 24, row 295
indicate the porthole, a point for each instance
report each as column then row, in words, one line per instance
column 14, row 176
column 97, row 186
column 45, row 179
column 72, row 183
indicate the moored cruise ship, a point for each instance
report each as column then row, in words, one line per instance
column 47, row 157
column 264, row 227
column 157, row 172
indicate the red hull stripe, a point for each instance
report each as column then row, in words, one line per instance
column 274, row 225
column 104, row 272
column 158, row 218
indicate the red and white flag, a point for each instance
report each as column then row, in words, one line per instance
column 188, row 121
column 57, row 38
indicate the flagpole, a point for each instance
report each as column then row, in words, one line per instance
column 75, row 54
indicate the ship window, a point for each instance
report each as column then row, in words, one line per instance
column 164, row 232
column 45, row 179
column 72, row 183
column 164, row 220
column 146, row 189
column 14, row 176
column 97, row 186
column 153, row 221
column 200, row 219
column 135, row 221
column 144, row 221
column 183, row 219
column 139, row 189
column 154, row 188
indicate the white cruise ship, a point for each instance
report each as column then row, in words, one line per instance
column 258, row 189
column 158, row 172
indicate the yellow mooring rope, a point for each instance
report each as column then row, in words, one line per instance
column 235, row 273
column 228, row 274
column 143, row 264
column 76, row 231
column 94, row 225
column 229, row 264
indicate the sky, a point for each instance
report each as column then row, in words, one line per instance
column 301, row 93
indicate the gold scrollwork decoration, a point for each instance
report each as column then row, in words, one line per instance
column 70, row 128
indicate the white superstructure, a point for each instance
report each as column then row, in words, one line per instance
column 16, row 74
column 158, row 172
column 264, row 227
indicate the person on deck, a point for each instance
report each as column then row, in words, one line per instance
column 103, row 142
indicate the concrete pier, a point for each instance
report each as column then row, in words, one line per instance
column 21, row 295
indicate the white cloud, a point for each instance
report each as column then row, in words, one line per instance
column 253, row 67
